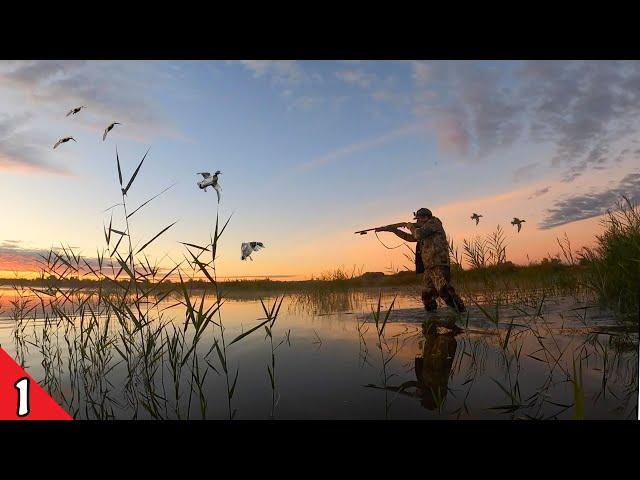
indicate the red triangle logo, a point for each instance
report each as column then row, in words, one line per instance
column 21, row 398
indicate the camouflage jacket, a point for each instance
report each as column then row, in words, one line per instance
column 432, row 241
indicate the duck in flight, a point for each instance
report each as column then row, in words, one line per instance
column 63, row 140
column 73, row 111
column 108, row 129
column 209, row 180
column 518, row 222
column 476, row 217
column 248, row 248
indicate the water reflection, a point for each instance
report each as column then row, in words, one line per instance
column 432, row 370
column 555, row 358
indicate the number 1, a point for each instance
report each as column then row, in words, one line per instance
column 22, row 386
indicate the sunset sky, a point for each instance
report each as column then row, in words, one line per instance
column 311, row 151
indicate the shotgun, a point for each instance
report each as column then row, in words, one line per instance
column 393, row 225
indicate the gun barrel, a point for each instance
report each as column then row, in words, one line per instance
column 393, row 225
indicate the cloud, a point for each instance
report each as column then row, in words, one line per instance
column 283, row 72
column 452, row 134
column 397, row 99
column 360, row 146
column 589, row 205
column 306, row 102
column 21, row 152
column 475, row 101
column 580, row 108
column 539, row 192
column 356, row 77
column 112, row 91
column 14, row 257
column 421, row 73
column 597, row 157
column 525, row 171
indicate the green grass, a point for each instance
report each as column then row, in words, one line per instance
column 614, row 263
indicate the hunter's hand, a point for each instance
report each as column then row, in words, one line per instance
column 410, row 226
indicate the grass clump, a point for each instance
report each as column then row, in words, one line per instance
column 614, row 262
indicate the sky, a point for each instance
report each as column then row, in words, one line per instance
column 311, row 151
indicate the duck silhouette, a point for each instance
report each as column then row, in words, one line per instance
column 63, row 140
column 108, row 129
column 518, row 222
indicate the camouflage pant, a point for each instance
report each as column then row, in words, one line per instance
column 437, row 283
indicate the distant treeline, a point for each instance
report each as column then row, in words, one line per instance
column 336, row 278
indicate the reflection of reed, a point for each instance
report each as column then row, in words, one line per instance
column 79, row 355
column 327, row 302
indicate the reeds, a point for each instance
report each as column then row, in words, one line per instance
column 614, row 263
column 107, row 348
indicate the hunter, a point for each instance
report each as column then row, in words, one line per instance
column 432, row 259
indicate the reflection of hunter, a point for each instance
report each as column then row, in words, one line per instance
column 432, row 258
column 432, row 370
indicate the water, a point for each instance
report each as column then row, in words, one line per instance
column 559, row 354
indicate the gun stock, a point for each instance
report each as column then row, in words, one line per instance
column 393, row 225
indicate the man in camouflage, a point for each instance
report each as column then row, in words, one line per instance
column 432, row 258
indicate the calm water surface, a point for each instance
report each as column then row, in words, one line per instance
column 563, row 359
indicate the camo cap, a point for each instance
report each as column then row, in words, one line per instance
column 423, row 212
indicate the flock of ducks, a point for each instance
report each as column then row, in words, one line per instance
column 208, row 180
column 75, row 111
column 514, row 222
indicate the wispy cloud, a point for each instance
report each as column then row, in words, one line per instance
column 306, row 102
column 356, row 77
column 539, row 192
column 581, row 108
column 283, row 72
column 24, row 153
column 525, row 171
column 16, row 257
column 112, row 91
column 421, row 73
column 347, row 150
column 589, row 205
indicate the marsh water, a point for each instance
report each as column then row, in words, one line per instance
column 542, row 358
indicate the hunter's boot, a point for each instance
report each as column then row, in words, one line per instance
column 452, row 299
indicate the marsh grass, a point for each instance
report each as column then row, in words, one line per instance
column 558, row 388
column 388, row 348
column 271, row 315
column 106, row 347
column 614, row 262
